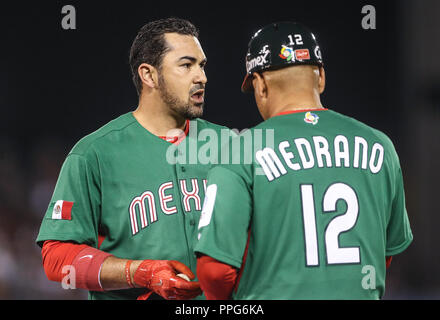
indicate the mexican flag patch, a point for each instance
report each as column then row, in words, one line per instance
column 62, row 210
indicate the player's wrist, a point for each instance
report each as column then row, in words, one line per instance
column 133, row 267
column 142, row 273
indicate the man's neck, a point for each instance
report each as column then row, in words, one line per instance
column 297, row 107
column 157, row 119
column 295, row 103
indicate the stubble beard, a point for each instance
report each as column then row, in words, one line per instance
column 178, row 106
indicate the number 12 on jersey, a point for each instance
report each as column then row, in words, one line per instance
column 339, row 224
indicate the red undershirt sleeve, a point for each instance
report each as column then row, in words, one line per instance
column 85, row 260
column 56, row 255
column 388, row 261
column 216, row 279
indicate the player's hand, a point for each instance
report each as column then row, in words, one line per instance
column 160, row 276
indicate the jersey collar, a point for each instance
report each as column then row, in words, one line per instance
column 298, row 111
column 177, row 139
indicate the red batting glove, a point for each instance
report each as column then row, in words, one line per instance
column 160, row 276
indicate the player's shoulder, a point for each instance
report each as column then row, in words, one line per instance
column 373, row 135
column 85, row 144
column 361, row 128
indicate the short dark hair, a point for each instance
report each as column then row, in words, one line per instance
column 149, row 46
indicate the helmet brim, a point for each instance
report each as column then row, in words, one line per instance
column 246, row 86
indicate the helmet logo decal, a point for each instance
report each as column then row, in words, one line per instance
column 311, row 118
column 318, row 53
column 286, row 53
column 259, row 60
column 302, row 54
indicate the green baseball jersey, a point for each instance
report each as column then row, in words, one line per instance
column 140, row 192
column 317, row 209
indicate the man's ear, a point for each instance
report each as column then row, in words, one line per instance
column 260, row 85
column 148, row 75
column 321, row 84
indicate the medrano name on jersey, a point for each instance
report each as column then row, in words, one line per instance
column 301, row 154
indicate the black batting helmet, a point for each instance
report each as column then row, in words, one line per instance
column 278, row 45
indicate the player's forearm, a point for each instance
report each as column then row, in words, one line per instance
column 95, row 270
column 113, row 273
column 85, row 260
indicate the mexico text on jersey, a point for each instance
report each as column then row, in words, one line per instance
column 138, row 208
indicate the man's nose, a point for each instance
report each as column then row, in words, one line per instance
column 201, row 76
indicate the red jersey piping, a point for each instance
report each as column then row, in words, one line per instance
column 298, row 111
column 178, row 139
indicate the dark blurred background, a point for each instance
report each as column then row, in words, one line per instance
column 58, row 85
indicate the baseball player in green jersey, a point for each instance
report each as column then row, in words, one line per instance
column 318, row 213
column 122, row 221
